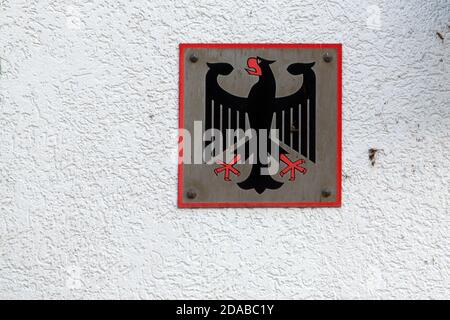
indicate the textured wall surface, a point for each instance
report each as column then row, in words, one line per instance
column 88, row 118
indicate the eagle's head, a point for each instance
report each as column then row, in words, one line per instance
column 257, row 65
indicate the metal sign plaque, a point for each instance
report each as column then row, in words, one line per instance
column 260, row 125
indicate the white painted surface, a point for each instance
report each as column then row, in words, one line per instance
column 88, row 117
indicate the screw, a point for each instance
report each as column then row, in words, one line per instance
column 191, row 194
column 327, row 57
column 193, row 58
column 326, row 193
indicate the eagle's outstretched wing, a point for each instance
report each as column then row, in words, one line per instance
column 296, row 114
column 223, row 110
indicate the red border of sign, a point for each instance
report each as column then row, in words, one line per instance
column 336, row 203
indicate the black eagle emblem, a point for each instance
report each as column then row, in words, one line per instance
column 294, row 116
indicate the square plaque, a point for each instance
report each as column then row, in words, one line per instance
column 260, row 125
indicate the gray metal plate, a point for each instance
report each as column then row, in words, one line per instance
column 200, row 186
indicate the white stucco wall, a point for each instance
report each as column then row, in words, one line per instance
column 88, row 118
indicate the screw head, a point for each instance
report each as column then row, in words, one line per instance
column 327, row 57
column 326, row 193
column 191, row 194
column 193, row 58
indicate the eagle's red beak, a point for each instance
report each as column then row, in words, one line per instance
column 253, row 67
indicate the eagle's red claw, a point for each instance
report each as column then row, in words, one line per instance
column 291, row 166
